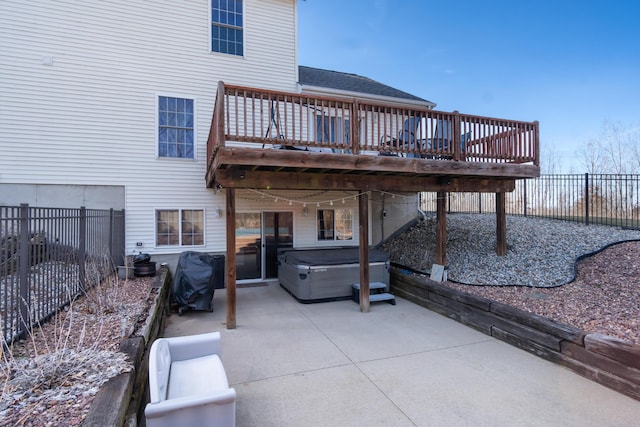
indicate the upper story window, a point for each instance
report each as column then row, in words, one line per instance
column 175, row 127
column 226, row 27
column 332, row 129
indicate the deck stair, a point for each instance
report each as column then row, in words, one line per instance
column 377, row 292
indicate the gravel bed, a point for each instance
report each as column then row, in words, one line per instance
column 540, row 252
column 546, row 264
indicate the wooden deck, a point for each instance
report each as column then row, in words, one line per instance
column 264, row 139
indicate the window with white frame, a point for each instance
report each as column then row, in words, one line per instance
column 179, row 227
column 332, row 129
column 334, row 224
column 176, row 128
column 227, row 35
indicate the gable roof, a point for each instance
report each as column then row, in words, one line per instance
column 353, row 83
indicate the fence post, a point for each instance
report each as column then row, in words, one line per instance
column 480, row 203
column 586, row 198
column 111, row 220
column 82, row 245
column 24, row 262
column 524, row 196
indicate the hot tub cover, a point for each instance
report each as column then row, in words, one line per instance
column 332, row 256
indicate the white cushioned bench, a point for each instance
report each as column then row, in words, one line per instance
column 187, row 383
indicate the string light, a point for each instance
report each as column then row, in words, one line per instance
column 277, row 197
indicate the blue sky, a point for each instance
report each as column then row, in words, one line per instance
column 572, row 65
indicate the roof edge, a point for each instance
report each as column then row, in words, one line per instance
column 319, row 90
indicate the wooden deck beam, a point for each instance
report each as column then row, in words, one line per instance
column 441, row 228
column 363, row 215
column 229, row 178
column 231, row 258
column 501, row 224
column 238, row 158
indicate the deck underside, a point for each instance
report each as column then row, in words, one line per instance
column 240, row 167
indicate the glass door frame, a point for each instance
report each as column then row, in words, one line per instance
column 262, row 249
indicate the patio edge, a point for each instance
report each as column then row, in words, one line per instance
column 600, row 358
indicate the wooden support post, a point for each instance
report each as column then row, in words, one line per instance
column 231, row 258
column 441, row 228
column 501, row 225
column 363, row 214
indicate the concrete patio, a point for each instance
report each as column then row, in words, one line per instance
column 328, row 364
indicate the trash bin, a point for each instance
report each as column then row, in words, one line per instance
column 194, row 283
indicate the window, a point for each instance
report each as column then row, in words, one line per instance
column 180, row 227
column 335, row 224
column 175, row 127
column 226, row 27
column 331, row 129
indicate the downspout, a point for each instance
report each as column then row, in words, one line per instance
column 382, row 217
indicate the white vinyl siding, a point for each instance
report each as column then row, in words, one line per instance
column 90, row 118
column 304, row 225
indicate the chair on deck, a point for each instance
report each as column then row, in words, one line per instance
column 443, row 138
column 406, row 138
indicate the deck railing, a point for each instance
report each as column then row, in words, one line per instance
column 252, row 116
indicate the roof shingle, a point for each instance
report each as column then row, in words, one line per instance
column 351, row 83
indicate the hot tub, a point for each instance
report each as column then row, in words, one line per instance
column 317, row 275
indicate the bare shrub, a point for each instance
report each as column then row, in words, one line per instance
column 68, row 358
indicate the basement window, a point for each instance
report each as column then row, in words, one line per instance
column 334, row 224
column 180, row 227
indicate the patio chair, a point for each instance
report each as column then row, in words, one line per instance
column 442, row 140
column 188, row 385
column 406, row 138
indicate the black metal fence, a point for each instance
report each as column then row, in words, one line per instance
column 588, row 198
column 48, row 256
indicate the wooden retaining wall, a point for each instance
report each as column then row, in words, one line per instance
column 609, row 361
column 121, row 401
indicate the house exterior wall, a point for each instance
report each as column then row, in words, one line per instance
column 80, row 82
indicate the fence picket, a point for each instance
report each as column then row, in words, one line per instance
column 588, row 198
column 60, row 242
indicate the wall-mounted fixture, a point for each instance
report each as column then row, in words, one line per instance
column 217, row 213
